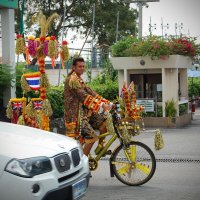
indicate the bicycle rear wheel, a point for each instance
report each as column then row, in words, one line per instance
column 134, row 165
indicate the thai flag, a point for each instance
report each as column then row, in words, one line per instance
column 33, row 82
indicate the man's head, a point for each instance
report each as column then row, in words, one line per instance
column 78, row 66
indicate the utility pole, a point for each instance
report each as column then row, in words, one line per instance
column 92, row 43
column 140, row 19
column 63, row 26
column 117, row 27
column 141, row 3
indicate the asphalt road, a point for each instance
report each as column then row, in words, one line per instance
column 177, row 175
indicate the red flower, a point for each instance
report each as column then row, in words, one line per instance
column 128, row 104
column 19, row 36
column 42, row 39
column 41, row 61
column 64, row 42
column 53, row 37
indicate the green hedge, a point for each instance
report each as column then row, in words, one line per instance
column 107, row 90
column 183, row 109
column 6, row 79
column 56, row 97
column 194, row 87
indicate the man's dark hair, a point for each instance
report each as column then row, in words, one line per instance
column 79, row 59
column 75, row 60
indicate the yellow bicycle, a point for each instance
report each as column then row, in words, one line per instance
column 132, row 162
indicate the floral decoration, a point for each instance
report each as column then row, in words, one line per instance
column 156, row 47
column 20, row 45
column 39, row 48
column 64, row 52
column 52, row 51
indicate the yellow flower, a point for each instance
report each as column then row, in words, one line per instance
column 32, row 74
column 47, row 38
column 18, row 99
column 31, row 37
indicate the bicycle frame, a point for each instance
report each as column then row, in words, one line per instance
column 108, row 144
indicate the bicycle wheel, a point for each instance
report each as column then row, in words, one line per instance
column 134, row 165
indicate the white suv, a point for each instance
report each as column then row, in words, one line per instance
column 40, row 165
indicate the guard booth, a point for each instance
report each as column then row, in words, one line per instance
column 156, row 81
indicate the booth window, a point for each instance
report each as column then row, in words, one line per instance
column 148, row 85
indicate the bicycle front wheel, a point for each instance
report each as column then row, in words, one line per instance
column 134, row 165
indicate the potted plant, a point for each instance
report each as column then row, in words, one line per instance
column 156, row 47
column 170, row 110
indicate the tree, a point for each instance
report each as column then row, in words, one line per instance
column 106, row 17
column 79, row 17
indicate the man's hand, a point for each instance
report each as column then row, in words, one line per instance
column 106, row 107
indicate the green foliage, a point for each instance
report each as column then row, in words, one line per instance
column 55, row 95
column 88, row 70
column 156, row 47
column 106, row 14
column 6, row 76
column 183, row 109
column 159, row 111
column 6, row 79
column 120, row 48
column 109, row 73
column 194, row 87
column 108, row 90
column 79, row 18
column 153, row 114
column 106, row 83
column 170, row 108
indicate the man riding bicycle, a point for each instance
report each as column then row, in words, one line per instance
column 85, row 110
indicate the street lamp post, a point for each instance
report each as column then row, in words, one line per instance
column 140, row 5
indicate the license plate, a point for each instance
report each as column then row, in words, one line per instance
column 79, row 189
